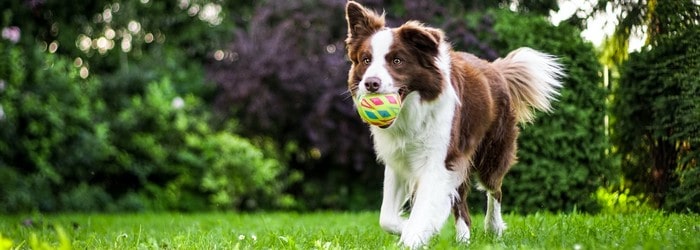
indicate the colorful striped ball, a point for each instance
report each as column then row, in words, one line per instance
column 378, row 109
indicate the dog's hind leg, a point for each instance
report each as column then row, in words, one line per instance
column 491, row 183
column 493, row 161
column 493, row 221
column 394, row 197
column 490, row 179
column 460, row 210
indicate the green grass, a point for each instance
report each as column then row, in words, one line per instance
column 343, row 231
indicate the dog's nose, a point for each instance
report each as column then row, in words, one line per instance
column 372, row 84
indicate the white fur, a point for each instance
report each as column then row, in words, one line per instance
column 444, row 64
column 463, row 234
column 533, row 78
column 381, row 43
column 493, row 221
column 414, row 149
column 545, row 71
column 395, row 195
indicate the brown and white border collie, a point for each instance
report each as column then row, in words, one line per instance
column 459, row 119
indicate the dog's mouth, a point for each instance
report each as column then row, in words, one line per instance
column 403, row 91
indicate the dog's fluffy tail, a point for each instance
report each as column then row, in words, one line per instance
column 533, row 79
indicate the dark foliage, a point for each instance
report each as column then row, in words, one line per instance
column 40, row 142
column 170, row 22
column 62, row 148
column 656, row 110
column 136, row 133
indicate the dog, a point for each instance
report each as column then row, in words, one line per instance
column 458, row 120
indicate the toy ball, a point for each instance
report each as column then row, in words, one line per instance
column 378, row 109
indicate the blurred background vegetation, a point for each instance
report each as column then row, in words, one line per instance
column 193, row 105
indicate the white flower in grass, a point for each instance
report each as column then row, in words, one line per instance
column 241, row 237
column 322, row 245
column 578, row 247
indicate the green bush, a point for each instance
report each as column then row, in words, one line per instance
column 656, row 110
column 237, row 170
column 226, row 168
column 684, row 196
column 561, row 156
column 85, row 198
column 617, row 199
column 167, row 146
column 62, row 148
column 49, row 136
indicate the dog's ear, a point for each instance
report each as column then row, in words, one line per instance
column 361, row 22
column 422, row 38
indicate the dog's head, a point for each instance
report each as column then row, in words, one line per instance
column 393, row 60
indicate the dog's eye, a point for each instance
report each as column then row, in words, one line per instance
column 366, row 60
column 397, row 61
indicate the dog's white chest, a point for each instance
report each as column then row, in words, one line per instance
column 419, row 135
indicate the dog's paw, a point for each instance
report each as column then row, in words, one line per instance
column 495, row 227
column 413, row 239
column 463, row 234
column 411, row 242
column 392, row 225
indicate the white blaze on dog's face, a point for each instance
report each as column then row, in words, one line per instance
column 376, row 78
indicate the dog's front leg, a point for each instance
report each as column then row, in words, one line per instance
column 433, row 200
column 395, row 196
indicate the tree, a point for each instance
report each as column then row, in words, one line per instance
column 653, row 18
column 656, row 111
column 653, row 146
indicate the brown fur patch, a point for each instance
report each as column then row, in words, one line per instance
column 476, row 114
column 417, row 49
column 361, row 49
column 484, row 126
column 362, row 23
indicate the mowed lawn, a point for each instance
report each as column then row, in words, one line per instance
column 334, row 230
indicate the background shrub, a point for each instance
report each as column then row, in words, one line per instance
column 656, row 109
column 149, row 147
column 49, row 135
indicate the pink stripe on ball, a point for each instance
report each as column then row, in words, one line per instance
column 391, row 99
